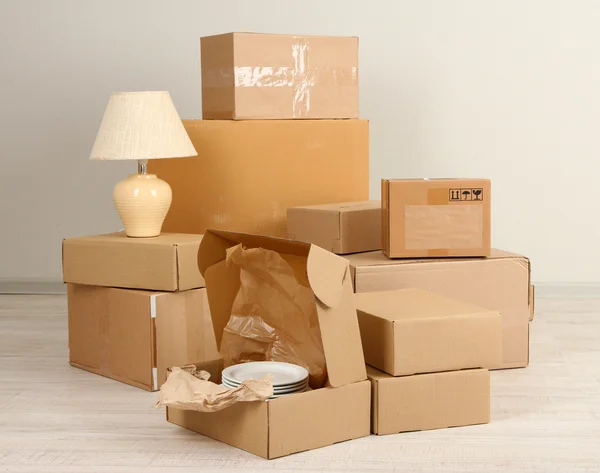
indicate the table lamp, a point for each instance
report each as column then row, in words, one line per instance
column 142, row 126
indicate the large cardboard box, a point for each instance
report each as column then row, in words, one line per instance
column 435, row 217
column 429, row 401
column 349, row 227
column 408, row 331
column 164, row 263
column 264, row 76
column 499, row 283
column 248, row 173
column 135, row 336
column 302, row 421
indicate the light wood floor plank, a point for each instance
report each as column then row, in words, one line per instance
column 54, row 418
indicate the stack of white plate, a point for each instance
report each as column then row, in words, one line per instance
column 287, row 378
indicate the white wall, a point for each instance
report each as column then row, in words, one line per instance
column 503, row 89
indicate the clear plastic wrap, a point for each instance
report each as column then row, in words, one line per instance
column 274, row 316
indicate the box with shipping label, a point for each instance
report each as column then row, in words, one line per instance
column 163, row 263
column 349, row 227
column 134, row 336
column 267, row 76
column 302, row 421
column 500, row 282
column 429, row 401
column 435, row 217
column 250, row 172
column 409, row 331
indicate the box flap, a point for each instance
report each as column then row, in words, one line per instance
column 329, row 279
column 326, row 271
column 326, row 274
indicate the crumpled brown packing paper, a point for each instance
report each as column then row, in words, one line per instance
column 274, row 316
column 189, row 389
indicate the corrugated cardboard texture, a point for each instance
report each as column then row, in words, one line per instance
column 349, row 227
column 164, row 263
column 499, row 283
column 328, row 277
column 134, row 336
column 250, row 172
column 271, row 76
column 436, row 217
column 410, row 331
column 289, row 424
column 429, row 401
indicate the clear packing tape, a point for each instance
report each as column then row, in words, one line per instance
column 301, row 76
column 274, row 316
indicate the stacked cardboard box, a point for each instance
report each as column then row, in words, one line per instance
column 280, row 129
column 435, row 235
column 280, row 146
column 136, row 306
column 435, row 351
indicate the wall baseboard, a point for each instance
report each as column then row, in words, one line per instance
column 32, row 286
column 53, row 286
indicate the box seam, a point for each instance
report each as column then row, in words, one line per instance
column 268, row 430
column 177, row 268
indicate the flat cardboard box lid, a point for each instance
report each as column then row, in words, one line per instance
column 329, row 280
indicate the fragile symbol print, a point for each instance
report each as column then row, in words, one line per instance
column 457, row 195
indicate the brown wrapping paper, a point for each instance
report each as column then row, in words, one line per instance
column 189, row 389
column 274, row 316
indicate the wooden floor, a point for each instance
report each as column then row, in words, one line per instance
column 54, row 418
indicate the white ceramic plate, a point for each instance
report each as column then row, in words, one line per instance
column 276, row 386
column 282, row 394
column 298, row 388
column 283, row 373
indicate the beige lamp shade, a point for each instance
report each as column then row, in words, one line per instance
column 141, row 125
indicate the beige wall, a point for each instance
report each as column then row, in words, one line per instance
column 503, row 89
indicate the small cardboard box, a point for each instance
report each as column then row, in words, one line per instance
column 500, row 282
column 429, row 401
column 409, row 331
column 250, row 172
column 435, row 217
column 301, row 421
column 349, row 227
column 164, row 263
column 134, row 336
column 265, row 76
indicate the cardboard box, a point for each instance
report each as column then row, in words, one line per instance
column 410, row 331
column 164, row 263
column 134, row 336
column 499, row 283
column 264, row 76
column 249, row 172
column 301, row 421
column 349, row 227
column 429, row 401
column 435, row 217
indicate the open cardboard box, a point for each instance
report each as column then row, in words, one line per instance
column 303, row 421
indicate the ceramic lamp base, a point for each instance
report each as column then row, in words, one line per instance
column 142, row 201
